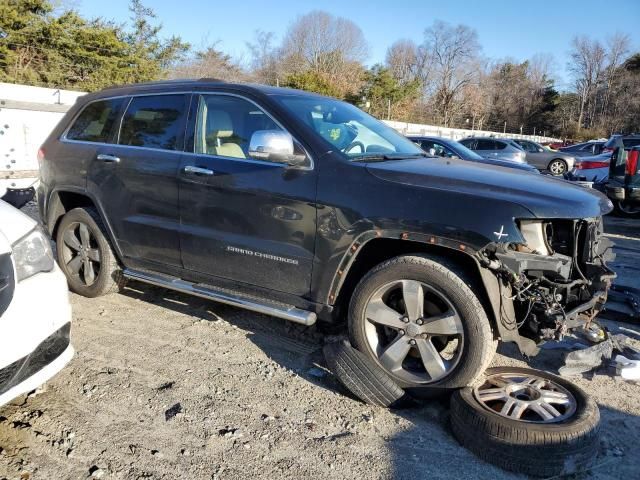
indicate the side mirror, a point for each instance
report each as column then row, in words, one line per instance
column 274, row 146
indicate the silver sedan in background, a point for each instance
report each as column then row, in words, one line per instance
column 557, row 163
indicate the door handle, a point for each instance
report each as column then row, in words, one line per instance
column 198, row 170
column 103, row 157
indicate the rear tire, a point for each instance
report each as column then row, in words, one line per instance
column 446, row 347
column 558, row 167
column 626, row 211
column 85, row 254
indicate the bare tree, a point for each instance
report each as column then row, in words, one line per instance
column 329, row 46
column 210, row 62
column 453, row 51
column 265, row 64
column 617, row 50
column 587, row 66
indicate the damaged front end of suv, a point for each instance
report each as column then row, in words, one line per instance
column 554, row 281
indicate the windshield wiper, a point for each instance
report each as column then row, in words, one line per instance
column 383, row 157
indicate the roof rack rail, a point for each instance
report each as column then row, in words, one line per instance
column 166, row 82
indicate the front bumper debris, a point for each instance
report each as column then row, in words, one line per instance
column 542, row 296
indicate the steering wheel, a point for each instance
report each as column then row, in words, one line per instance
column 353, row 145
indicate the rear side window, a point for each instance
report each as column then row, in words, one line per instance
column 467, row 142
column 486, row 145
column 155, row 121
column 630, row 142
column 95, row 123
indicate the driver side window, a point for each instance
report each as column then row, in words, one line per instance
column 225, row 124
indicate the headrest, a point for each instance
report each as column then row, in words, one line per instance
column 219, row 123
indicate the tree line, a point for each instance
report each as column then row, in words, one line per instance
column 443, row 80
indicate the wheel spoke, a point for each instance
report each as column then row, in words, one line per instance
column 413, row 296
column 89, row 273
column 508, row 405
column 85, row 236
column 555, row 397
column 542, row 411
column 75, row 264
column 446, row 324
column 519, row 409
column 94, row 255
column 378, row 312
column 489, row 394
column 395, row 353
column 71, row 241
column 431, row 359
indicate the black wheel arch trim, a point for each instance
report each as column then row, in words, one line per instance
column 55, row 211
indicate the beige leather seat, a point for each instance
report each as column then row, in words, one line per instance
column 220, row 135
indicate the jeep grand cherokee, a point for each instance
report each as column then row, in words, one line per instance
column 304, row 207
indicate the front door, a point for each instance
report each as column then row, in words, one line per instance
column 246, row 220
column 135, row 178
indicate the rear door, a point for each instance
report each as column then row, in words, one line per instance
column 245, row 220
column 135, row 178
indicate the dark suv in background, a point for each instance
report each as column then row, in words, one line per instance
column 623, row 186
column 304, row 207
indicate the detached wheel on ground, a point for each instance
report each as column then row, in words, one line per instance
column 626, row 210
column 417, row 317
column 557, row 167
column 527, row 421
column 85, row 255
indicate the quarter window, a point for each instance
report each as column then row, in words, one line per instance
column 225, row 125
column 486, row 145
column 95, row 123
column 155, row 121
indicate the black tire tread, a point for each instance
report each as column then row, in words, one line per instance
column 362, row 377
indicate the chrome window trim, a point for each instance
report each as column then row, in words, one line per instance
column 64, row 139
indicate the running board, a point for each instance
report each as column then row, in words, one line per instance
column 280, row 310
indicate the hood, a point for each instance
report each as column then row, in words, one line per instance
column 13, row 223
column 543, row 195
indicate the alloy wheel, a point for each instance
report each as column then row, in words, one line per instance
column 557, row 167
column 525, row 398
column 414, row 330
column 81, row 253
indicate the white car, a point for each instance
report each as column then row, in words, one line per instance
column 35, row 314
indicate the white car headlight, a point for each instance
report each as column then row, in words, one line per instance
column 32, row 254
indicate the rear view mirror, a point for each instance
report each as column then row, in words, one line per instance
column 274, row 146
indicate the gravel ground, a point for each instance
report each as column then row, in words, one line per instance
column 167, row 386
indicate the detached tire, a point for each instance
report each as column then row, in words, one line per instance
column 85, row 254
column 363, row 377
column 566, row 444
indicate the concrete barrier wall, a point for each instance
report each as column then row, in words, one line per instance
column 458, row 133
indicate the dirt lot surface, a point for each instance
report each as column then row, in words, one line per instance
column 166, row 386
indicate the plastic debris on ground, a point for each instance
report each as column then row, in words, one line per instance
column 586, row 359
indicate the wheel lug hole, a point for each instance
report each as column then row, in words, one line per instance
column 419, row 321
column 402, row 332
column 412, row 342
column 405, row 319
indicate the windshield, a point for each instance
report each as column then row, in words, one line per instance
column 467, row 153
column 350, row 130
